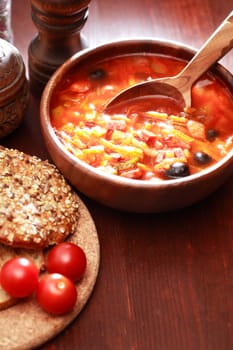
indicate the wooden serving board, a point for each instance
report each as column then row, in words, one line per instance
column 25, row 325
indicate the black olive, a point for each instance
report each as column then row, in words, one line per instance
column 97, row 74
column 202, row 157
column 177, row 170
column 211, row 134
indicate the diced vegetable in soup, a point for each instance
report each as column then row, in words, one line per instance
column 143, row 141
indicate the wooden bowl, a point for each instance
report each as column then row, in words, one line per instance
column 115, row 191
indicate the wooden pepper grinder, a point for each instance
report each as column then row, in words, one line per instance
column 59, row 24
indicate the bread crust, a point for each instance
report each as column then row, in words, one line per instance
column 38, row 208
column 6, row 300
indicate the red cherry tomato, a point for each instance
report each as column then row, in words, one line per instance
column 19, row 277
column 68, row 259
column 56, row 294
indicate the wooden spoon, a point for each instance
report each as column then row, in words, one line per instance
column 178, row 87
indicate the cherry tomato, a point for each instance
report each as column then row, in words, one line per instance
column 56, row 294
column 19, row 277
column 68, row 259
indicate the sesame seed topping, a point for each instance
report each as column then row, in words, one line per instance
column 37, row 205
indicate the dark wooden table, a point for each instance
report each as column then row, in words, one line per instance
column 166, row 280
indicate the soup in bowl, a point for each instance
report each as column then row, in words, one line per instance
column 150, row 154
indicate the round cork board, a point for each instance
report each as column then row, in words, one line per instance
column 25, row 325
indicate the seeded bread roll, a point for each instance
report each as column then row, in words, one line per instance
column 37, row 206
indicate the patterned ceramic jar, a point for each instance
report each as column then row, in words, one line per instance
column 14, row 90
column 5, row 20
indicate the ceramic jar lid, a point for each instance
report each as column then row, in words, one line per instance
column 14, row 90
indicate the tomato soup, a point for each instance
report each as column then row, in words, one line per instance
column 143, row 142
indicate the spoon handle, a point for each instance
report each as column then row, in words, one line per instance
column 218, row 44
column 179, row 86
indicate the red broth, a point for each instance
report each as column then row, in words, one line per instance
column 142, row 142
